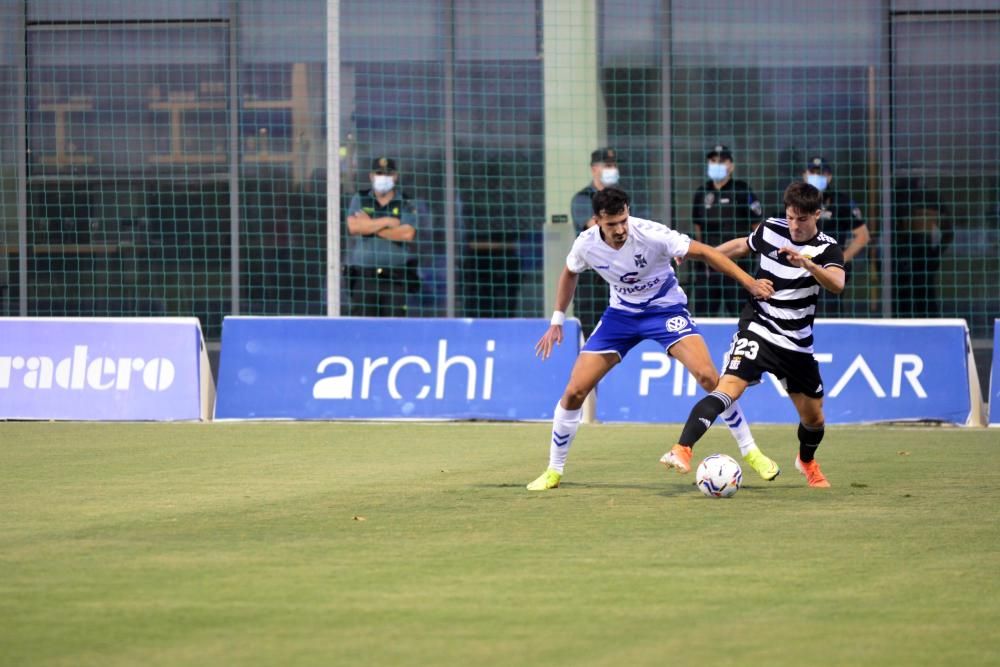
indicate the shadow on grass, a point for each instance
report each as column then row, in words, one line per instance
column 666, row 489
column 597, row 486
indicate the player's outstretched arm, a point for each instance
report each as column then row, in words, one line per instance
column 553, row 336
column 832, row 278
column 759, row 288
column 735, row 248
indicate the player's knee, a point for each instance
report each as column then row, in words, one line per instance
column 574, row 397
column 811, row 412
column 706, row 379
column 815, row 423
column 812, row 417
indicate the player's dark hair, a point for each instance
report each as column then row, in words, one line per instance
column 609, row 201
column 803, row 197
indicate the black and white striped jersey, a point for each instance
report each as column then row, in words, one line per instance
column 786, row 319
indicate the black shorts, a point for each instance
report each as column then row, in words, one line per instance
column 750, row 356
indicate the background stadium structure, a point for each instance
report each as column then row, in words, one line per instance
column 179, row 157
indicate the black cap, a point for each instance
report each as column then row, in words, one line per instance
column 384, row 165
column 818, row 163
column 607, row 155
column 720, row 151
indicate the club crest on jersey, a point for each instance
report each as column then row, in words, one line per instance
column 677, row 323
column 640, row 261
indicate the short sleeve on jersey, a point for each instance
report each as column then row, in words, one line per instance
column 674, row 243
column 755, row 238
column 832, row 255
column 574, row 260
column 679, row 244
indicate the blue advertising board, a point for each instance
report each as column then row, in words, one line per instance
column 995, row 377
column 102, row 369
column 387, row 368
column 873, row 371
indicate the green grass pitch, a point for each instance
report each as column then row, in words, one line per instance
column 417, row 544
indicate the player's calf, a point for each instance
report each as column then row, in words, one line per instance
column 809, row 439
column 702, row 416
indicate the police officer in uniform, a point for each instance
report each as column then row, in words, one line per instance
column 591, row 291
column 840, row 218
column 724, row 208
column 382, row 225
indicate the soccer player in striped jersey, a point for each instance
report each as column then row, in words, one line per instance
column 635, row 257
column 777, row 335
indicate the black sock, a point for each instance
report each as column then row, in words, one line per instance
column 702, row 415
column 809, row 439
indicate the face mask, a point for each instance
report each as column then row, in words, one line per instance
column 717, row 171
column 383, row 184
column 609, row 176
column 818, row 181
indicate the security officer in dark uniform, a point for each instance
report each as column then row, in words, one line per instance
column 840, row 218
column 382, row 225
column 724, row 208
column 591, row 296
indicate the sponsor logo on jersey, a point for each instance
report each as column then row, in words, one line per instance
column 630, row 278
column 638, row 288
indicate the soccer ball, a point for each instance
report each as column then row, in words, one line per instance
column 719, row 476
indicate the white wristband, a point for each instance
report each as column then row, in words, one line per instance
column 558, row 317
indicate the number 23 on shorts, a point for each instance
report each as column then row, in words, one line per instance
column 744, row 347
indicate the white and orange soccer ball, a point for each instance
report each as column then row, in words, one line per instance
column 719, row 476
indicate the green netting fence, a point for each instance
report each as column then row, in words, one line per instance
column 178, row 157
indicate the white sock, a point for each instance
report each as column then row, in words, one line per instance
column 564, row 425
column 739, row 428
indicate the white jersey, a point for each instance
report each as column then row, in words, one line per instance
column 641, row 272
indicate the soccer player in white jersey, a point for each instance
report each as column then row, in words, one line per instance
column 635, row 257
column 776, row 335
